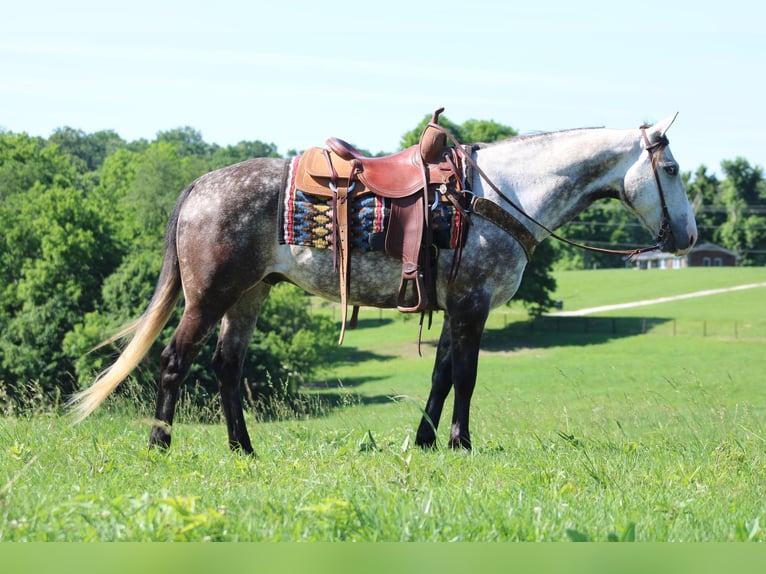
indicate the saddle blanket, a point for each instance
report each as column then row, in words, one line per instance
column 307, row 219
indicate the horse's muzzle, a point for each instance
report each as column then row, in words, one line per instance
column 671, row 244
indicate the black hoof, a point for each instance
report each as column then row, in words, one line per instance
column 458, row 439
column 241, row 448
column 160, row 437
column 428, row 442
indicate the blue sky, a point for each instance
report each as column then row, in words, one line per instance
column 295, row 72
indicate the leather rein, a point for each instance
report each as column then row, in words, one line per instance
column 652, row 149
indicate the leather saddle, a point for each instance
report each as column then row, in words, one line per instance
column 408, row 179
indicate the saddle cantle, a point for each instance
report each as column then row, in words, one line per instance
column 409, row 179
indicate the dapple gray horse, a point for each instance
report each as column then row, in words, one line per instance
column 221, row 252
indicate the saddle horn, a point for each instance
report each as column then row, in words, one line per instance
column 432, row 140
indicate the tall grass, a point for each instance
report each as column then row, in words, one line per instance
column 577, row 437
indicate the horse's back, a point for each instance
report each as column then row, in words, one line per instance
column 250, row 184
column 227, row 225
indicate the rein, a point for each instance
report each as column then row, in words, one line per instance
column 651, row 149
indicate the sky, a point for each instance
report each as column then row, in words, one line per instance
column 294, row 73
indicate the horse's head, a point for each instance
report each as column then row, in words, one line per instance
column 654, row 191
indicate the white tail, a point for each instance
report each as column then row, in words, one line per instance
column 147, row 329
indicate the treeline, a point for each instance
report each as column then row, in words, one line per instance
column 730, row 212
column 83, row 221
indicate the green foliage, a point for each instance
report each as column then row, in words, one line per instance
column 90, row 149
column 57, row 250
column 538, row 285
column 604, row 224
column 710, row 212
column 124, row 295
column 25, row 161
column 743, row 193
column 291, row 344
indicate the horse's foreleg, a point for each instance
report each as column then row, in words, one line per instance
column 441, row 382
column 175, row 362
column 236, row 331
column 467, row 326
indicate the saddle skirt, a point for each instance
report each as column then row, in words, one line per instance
column 306, row 218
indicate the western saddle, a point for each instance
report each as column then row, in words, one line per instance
column 411, row 179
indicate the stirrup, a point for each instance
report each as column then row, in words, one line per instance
column 420, row 291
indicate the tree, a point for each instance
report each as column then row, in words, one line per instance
column 157, row 177
column 244, row 150
column 187, row 142
column 26, row 160
column 91, row 149
column 60, row 252
column 538, row 284
column 743, row 193
column 603, row 224
column 743, row 182
column 704, row 191
column 289, row 347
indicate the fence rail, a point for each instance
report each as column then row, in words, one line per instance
column 593, row 325
column 648, row 326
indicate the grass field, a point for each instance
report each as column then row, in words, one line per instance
column 578, row 436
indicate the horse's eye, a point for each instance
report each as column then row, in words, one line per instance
column 671, row 169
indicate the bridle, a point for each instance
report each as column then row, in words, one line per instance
column 653, row 149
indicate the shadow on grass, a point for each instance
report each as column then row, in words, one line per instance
column 322, row 398
column 568, row 331
column 346, row 355
column 330, row 401
column 368, row 323
column 313, row 403
column 347, row 382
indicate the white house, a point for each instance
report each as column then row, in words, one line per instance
column 702, row 255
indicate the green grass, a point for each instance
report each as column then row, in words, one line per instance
column 581, row 289
column 577, row 436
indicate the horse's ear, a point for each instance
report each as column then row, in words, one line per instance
column 662, row 127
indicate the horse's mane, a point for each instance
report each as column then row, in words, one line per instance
column 534, row 135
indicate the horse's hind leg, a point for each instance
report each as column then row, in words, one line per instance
column 441, row 383
column 236, row 331
column 176, row 360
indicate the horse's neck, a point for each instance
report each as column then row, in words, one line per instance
column 554, row 176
